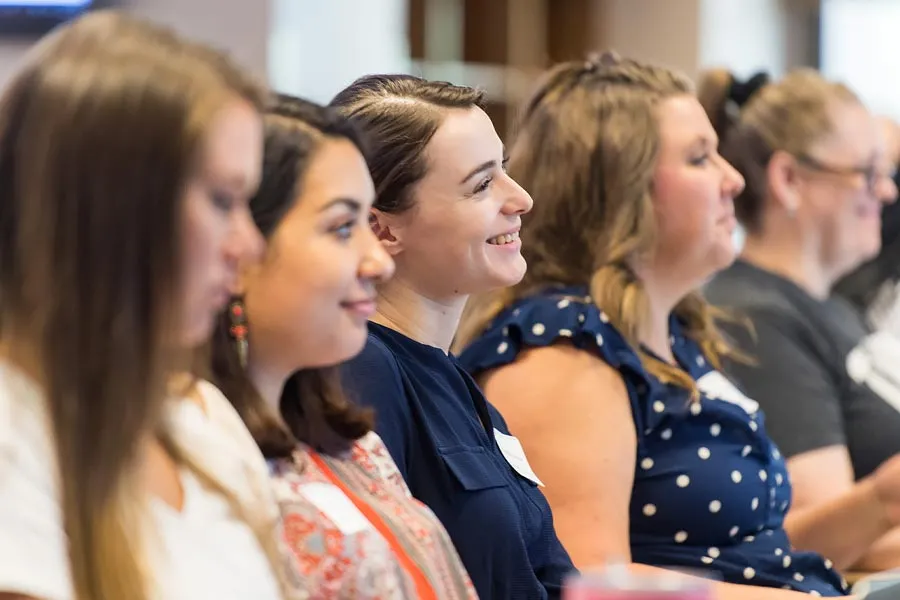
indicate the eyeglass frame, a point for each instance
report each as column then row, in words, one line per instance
column 871, row 174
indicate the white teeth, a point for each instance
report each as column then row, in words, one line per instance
column 505, row 238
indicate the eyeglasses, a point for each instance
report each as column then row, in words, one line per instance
column 871, row 175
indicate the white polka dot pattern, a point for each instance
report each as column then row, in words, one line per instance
column 710, row 489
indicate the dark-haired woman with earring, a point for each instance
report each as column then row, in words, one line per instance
column 351, row 524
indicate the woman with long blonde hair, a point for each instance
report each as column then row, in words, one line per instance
column 127, row 156
column 604, row 359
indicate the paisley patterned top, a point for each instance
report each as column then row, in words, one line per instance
column 340, row 513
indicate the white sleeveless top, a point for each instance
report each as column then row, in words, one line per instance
column 203, row 551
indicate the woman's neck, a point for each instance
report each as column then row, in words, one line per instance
column 791, row 261
column 428, row 321
column 654, row 332
column 269, row 383
column 663, row 290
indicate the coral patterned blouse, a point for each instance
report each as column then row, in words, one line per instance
column 357, row 532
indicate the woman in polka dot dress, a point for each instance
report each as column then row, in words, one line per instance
column 603, row 360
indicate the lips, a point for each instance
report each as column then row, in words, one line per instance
column 364, row 308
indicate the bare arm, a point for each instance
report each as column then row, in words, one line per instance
column 794, row 383
column 585, row 454
column 588, row 477
column 838, row 517
column 732, row 591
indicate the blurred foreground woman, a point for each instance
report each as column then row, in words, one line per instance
column 127, row 157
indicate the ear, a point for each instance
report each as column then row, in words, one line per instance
column 783, row 175
column 387, row 229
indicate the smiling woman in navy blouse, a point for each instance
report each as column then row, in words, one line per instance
column 449, row 215
column 604, row 359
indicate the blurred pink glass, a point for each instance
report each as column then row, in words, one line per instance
column 616, row 583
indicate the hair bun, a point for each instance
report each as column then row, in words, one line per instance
column 599, row 60
column 740, row 92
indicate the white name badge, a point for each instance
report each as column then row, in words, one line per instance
column 330, row 500
column 717, row 387
column 873, row 363
column 515, row 455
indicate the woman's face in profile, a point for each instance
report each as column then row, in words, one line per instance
column 219, row 233
column 841, row 200
column 309, row 300
column 693, row 193
column 462, row 234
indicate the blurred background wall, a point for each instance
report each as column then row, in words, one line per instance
column 315, row 47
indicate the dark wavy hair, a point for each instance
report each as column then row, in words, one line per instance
column 313, row 405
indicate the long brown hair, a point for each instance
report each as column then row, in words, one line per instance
column 586, row 149
column 99, row 133
column 312, row 405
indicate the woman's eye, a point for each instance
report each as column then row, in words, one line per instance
column 344, row 231
column 222, row 200
column 484, row 185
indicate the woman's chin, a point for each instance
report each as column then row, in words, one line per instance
column 344, row 349
column 509, row 275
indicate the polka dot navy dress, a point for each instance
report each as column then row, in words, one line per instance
column 710, row 488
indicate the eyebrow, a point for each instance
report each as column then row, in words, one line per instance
column 349, row 203
column 237, row 183
column 707, row 142
column 485, row 166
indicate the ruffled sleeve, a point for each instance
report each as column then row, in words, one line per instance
column 570, row 316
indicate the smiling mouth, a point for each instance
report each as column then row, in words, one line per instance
column 504, row 238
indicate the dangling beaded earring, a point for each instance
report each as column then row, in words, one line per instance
column 238, row 318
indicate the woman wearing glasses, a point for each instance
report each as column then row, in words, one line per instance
column 817, row 175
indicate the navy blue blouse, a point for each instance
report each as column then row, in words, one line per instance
column 710, row 488
column 443, row 435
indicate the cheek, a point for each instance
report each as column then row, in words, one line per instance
column 837, row 213
column 677, row 220
column 309, row 278
column 456, row 231
column 688, row 205
column 205, row 232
